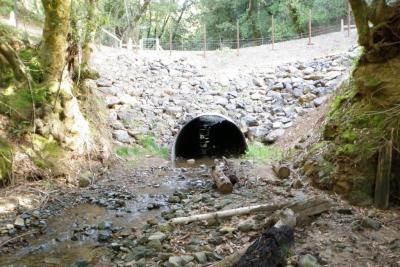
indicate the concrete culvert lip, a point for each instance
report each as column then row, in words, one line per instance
column 207, row 136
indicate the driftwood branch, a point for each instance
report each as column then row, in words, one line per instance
column 269, row 249
column 222, row 182
column 8, row 54
column 281, row 171
column 302, row 207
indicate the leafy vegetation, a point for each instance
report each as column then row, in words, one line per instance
column 263, row 154
column 185, row 20
column 146, row 145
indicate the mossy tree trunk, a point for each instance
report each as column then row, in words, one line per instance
column 367, row 110
column 60, row 116
column 89, row 33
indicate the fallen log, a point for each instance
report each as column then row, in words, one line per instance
column 271, row 248
column 222, row 182
column 273, row 245
column 302, row 207
column 281, row 171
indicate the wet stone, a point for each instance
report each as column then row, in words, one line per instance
column 81, row 263
column 308, row 261
column 247, row 226
column 158, row 236
column 105, row 225
column 201, row 257
column 104, row 235
column 371, row 223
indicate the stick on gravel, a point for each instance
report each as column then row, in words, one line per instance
column 303, row 207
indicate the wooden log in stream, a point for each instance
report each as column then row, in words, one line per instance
column 302, row 207
column 222, row 182
column 281, row 171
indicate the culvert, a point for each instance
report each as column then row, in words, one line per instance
column 209, row 135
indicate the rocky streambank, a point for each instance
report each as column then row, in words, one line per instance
column 155, row 96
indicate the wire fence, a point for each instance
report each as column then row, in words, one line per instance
column 221, row 44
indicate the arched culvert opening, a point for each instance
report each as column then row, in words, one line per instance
column 209, row 135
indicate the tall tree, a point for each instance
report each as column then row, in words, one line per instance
column 60, row 117
column 134, row 27
column 90, row 29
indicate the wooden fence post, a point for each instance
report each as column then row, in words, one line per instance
column 273, row 32
column 205, row 41
column 383, row 173
column 309, row 28
column 170, row 42
column 341, row 25
column 237, row 38
column 348, row 19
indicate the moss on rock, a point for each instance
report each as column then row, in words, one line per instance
column 6, row 158
column 361, row 119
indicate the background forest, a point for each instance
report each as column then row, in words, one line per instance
column 186, row 19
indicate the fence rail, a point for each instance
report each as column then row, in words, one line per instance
column 204, row 44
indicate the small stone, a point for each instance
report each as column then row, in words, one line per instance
column 84, row 179
column 273, row 136
column 297, row 184
column 371, row 223
column 320, row 100
column 308, row 261
column 227, row 230
column 81, row 263
column 19, row 222
column 105, row 225
column 247, row 226
column 121, row 136
column 155, row 244
column 157, row 236
column 174, row 199
column 200, row 257
column 104, row 235
column 179, row 261
column 191, row 161
column 152, row 221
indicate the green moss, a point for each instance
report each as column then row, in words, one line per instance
column 360, row 198
column 30, row 58
column 146, row 145
column 347, row 149
column 317, row 146
column 17, row 104
column 263, row 154
column 46, row 153
column 349, row 135
column 6, row 157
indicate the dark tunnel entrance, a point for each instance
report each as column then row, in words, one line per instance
column 209, row 135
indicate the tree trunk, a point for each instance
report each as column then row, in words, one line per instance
column 163, row 27
column 60, row 117
column 8, row 56
column 250, row 17
column 133, row 31
column 16, row 12
column 89, row 34
column 184, row 7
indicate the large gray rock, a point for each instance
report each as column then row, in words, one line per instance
column 122, row 136
column 273, row 136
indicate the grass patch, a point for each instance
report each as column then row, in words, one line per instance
column 146, row 146
column 263, row 154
